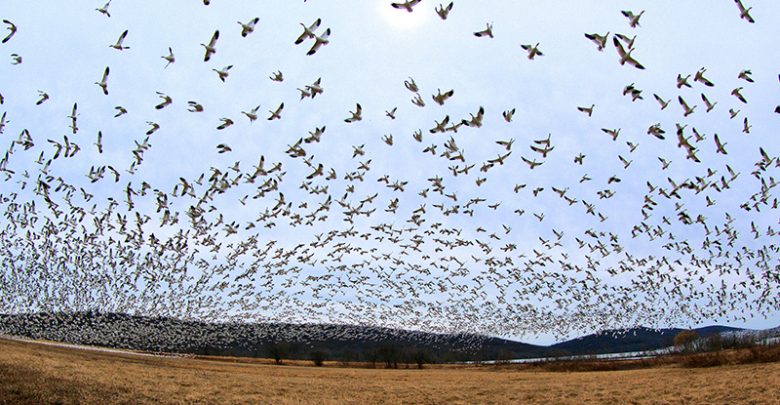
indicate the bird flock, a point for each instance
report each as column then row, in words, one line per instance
column 414, row 215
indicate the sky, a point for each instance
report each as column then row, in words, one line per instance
column 484, row 254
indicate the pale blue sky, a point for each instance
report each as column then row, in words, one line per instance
column 373, row 49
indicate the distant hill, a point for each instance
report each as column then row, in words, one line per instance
column 333, row 342
column 631, row 340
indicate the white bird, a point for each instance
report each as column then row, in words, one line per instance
column 625, row 56
column 43, row 97
column 710, row 105
column 249, row 27
column 251, row 114
column 211, row 48
column 699, row 77
column 683, row 81
column 357, row 115
column 278, row 76
column 315, row 88
column 118, row 45
column 599, row 40
column 223, row 73
column 169, row 57
column 443, row 11
column 99, row 142
column 11, row 27
column 226, row 122
column 633, row 19
column 744, row 13
column 440, row 97
column 319, row 40
column 103, row 83
column 308, row 32
column 737, row 93
column 411, row 85
column 408, row 5
column 104, row 10
column 587, row 110
column 508, row 115
column 194, row 106
column 661, row 101
column 167, row 100
column 533, row 50
column 687, row 109
column 720, row 147
column 276, row 114
column 745, row 75
column 487, row 32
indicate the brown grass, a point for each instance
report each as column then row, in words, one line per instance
column 33, row 373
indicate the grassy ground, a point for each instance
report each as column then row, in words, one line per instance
column 33, row 373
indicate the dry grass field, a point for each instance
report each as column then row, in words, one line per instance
column 35, row 374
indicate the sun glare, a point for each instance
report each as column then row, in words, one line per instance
column 401, row 19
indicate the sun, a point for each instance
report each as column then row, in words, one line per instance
column 401, row 19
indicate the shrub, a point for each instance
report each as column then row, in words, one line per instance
column 686, row 340
column 317, row 357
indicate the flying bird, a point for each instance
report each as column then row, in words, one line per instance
column 661, row 101
column 319, row 41
column 104, row 10
column 633, row 19
column 487, row 32
column 625, row 57
column 357, row 115
column 226, row 122
column 119, row 42
column 686, row 109
column 587, row 110
column 710, row 105
column 103, row 83
column 737, row 92
column 43, row 97
column 223, row 73
column 440, row 97
column 626, row 40
column 744, row 13
column 699, row 77
column 308, row 32
column 276, row 114
column 745, row 75
column 533, row 50
column 411, row 85
column 169, row 57
column 599, row 40
column 407, row 5
column 251, row 114
column 249, row 27
column 194, row 106
column 211, row 48
column 12, row 28
column 444, row 11
column 508, row 115
column 167, row 100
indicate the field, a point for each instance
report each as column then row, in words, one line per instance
column 34, row 373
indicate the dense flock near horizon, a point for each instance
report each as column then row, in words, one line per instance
column 237, row 175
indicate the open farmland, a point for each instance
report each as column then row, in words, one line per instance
column 34, row 373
